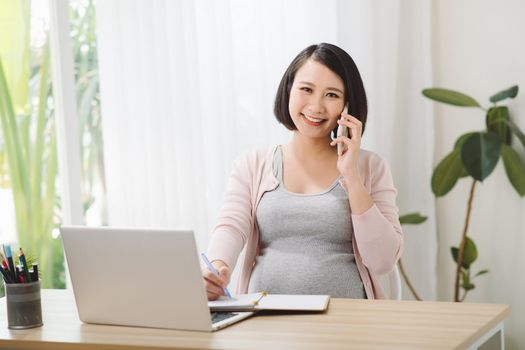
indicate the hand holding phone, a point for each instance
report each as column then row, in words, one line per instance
column 342, row 130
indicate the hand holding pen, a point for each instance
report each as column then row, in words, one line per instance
column 215, row 281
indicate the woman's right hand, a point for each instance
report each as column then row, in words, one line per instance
column 215, row 284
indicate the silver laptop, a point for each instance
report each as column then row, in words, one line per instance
column 140, row 277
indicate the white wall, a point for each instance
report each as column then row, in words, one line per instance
column 479, row 49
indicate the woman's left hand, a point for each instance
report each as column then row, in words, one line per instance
column 347, row 162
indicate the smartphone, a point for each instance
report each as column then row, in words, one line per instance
column 342, row 130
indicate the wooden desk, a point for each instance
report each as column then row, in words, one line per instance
column 360, row 324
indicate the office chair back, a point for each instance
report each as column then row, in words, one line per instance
column 394, row 283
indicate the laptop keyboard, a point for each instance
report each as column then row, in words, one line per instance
column 221, row 316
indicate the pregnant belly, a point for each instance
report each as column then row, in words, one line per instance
column 294, row 273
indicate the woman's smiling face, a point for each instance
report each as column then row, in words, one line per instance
column 316, row 100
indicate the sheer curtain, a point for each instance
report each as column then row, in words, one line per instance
column 188, row 85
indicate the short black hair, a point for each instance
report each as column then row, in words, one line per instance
column 339, row 62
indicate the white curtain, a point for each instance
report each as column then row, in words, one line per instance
column 187, row 85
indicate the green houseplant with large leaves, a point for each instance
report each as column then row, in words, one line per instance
column 28, row 141
column 475, row 155
column 28, row 152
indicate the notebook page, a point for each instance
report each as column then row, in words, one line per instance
column 294, row 302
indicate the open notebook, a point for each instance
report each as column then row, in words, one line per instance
column 264, row 301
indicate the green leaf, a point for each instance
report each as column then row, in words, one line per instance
column 4, row 175
column 482, row 272
column 468, row 286
column 450, row 97
column 510, row 92
column 454, row 251
column 480, row 154
column 516, row 131
column 14, row 151
column 15, row 51
column 466, row 281
column 496, row 121
column 459, row 143
column 447, row 173
column 461, row 140
column 464, row 172
column 412, row 218
column 514, row 168
column 470, row 254
column 465, row 276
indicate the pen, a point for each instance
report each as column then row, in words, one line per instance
column 263, row 294
column 21, row 278
column 34, row 274
column 25, row 269
column 215, row 272
column 3, row 251
column 6, row 271
column 4, row 263
column 9, row 256
column 7, row 278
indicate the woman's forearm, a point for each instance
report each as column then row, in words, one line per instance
column 358, row 196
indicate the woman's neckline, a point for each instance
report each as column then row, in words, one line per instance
column 281, row 181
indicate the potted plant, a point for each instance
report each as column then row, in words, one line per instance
column 475, row 155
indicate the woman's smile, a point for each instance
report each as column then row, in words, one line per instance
column 312, row 121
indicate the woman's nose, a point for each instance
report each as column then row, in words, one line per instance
column 316, row 106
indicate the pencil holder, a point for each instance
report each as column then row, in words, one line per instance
column 24, row 309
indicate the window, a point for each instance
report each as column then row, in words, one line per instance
column 29, row 190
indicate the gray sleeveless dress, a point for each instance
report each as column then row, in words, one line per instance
column 305, row 242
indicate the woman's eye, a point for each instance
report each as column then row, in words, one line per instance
column 307, row 89
column 331, row 94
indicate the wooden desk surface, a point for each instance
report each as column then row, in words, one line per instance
column 379, row 324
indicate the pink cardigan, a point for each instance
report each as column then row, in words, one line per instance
column 377, row 239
